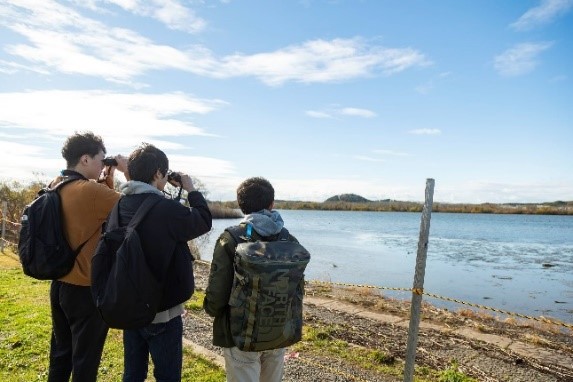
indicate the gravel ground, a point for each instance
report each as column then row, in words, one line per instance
column 436, row 348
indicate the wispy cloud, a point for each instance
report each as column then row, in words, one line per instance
column 60, row 38
column 544, row 13
column 356, row 112
column 391, row 153
column 323, row 61
column 317, row 114
column 368, row 159
column 341, row 111
column 123, row 120
column 521, row 59
column 111, row 114
column 172, row 13
column 426, row 131
column 380, row 154
column 429, row 85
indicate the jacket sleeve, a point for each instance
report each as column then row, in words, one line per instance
column 193, row 221
column 220, row 276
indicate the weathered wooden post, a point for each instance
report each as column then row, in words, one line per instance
column 418, row 287
column 4, row 211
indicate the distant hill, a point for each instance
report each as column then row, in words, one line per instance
column 352, row 198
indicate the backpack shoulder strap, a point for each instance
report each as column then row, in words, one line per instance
column 237, row 232
column 112, row 221
column 142, row 210
column 284, row 235
column 67, row 179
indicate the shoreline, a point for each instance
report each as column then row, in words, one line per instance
column 484, row 347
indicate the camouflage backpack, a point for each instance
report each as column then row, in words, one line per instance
column 268, row 287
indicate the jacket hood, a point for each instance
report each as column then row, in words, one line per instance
column 265, row 222
column 136, row 187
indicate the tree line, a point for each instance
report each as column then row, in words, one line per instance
column 553, row 208
column 18, row 195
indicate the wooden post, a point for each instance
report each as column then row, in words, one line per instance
column 4, row 211
column 418, row 288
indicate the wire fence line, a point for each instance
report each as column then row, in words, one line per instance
column 449, row 299
column 10, row 235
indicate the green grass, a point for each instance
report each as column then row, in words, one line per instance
column 322, row 341
column 26, row 326
column 25, row 334
column 453, row 375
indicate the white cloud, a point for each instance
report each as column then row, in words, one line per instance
column 317, row 114
column 124, row 120
column 544, row 13
column 25, row 160
column 116, row 115
column 341, row 111
column 426, row 132
column 202, row 167
column 173, row 13
column 521, row 59
column 170, row 12
column 355, row 112
column 322, row 61
column 60, row 38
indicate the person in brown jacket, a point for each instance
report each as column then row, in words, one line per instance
column 78, row 331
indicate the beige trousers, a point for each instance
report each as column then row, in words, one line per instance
column 264, row 366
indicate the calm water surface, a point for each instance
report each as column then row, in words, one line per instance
column 520, row 263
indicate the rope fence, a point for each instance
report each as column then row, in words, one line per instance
column 436, row 296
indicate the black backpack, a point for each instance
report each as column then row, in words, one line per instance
column 125, row 291
column 268, row 288
column 44, row 252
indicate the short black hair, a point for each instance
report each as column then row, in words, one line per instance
column 81, row 144
column 144, row 162
column 255, row 194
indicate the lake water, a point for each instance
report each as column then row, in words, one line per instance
column 518, row 263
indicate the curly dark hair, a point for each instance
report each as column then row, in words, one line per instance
column 255, row 194
column 81, row 144
column 144, row 162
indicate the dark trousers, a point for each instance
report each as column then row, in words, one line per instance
column 164, row 342
column 78, row 334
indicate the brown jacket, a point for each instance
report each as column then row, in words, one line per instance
column 85, row 206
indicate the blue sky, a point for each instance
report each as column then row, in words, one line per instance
column 322, row 97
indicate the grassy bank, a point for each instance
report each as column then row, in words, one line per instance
column 25, row 334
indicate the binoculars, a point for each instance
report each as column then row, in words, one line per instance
column 109, row 161
column 173, row 177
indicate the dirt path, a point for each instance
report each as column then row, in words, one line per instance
column 484, row 348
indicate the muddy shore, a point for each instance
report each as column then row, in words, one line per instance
column 484, row 347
